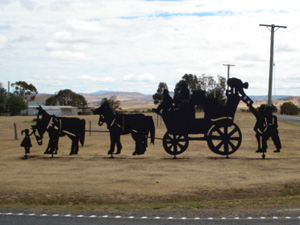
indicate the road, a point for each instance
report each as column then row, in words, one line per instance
column 289, row 118
column 67, row 219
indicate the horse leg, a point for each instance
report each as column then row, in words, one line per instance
column 138, row 144
column 135, row 140
column 145, row 144
column 73, row 145
column 112, row 143
column 76, row 145
column 119, row 145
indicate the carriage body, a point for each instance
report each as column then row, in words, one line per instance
column 217, row 127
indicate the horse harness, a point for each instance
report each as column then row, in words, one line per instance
column 122, row 124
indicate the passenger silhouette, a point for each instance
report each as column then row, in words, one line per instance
column 166, row 104
column 237, row 87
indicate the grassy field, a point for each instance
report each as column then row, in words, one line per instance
column 198, row 179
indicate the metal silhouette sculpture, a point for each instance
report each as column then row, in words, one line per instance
column 223, row 136
column 26, row 142
column 266, row 123
column 265, row 127
column 57, row 127
column 138, row 125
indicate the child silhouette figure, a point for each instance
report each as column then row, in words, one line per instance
column 26, row 142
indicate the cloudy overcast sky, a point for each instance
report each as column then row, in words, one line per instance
column 132, row 45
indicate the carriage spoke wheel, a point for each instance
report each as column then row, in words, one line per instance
column 224, row 140
column 175, row 144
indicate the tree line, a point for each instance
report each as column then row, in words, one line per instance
column 213, row 88
column 13, row 103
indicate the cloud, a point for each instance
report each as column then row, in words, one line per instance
column 3, row 41
column 119, row 44
column 98, row 79
column 139, row 78
column 28, row 4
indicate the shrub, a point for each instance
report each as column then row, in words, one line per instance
column 289, row 108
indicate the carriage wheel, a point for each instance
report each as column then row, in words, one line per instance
column 175, row 144
column 224, row 140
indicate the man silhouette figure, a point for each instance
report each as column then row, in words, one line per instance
column 271, row 130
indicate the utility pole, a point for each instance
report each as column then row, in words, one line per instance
column 228, row 71
column 271, row 58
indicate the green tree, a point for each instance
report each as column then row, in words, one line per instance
column 289, row 108
column 192, row 81
column 26, row 91
column 212, row 87
column 3, row 99
column 158, row 96
column 113, row 103
column 15, row 104
column 66, row 97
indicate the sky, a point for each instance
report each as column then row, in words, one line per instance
column 133, row 45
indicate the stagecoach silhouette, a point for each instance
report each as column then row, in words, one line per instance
column 217, row 128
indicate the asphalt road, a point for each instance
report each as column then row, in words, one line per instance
column 289, row 118
column 45, row 219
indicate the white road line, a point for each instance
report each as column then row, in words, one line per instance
column 146, row 217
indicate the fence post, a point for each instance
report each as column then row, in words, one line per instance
column 16, row 132
column 90, row 127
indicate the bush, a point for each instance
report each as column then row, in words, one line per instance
column 289, row 108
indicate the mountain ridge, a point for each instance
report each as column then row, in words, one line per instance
column 122, row 96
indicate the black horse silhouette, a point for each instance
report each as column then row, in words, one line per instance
column 138, row 125
column 57, row 127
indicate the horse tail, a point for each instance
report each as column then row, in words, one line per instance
column 152, row 129
column 82, row 132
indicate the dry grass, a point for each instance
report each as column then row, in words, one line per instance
column 199, row 175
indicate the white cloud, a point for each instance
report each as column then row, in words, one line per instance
column 3, row 41
column 97, row 78
column 139, row 78
column 118, row 44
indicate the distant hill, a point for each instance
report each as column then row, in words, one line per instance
column 96, row 97
column 136, row 97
